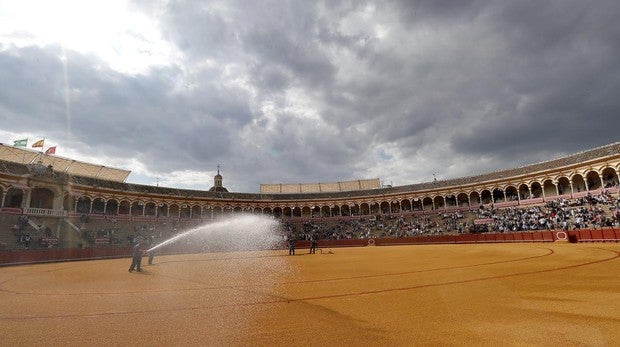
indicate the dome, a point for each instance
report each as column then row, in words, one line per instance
column 218, row 189
column 217, row 183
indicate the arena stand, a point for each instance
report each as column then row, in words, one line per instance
column 575, row 197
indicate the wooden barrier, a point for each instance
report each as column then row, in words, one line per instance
column 548, row 236
column 596, row 235
column 71, row 254
column 61, row 254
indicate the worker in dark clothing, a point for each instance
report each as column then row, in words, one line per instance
column 151, row 254
column 136, row 259
column 313, row 245
column 291, row 246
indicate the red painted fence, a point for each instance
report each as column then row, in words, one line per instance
column 587, row 235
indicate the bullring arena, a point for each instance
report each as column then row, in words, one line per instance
column 482, row 294
column 523, row 256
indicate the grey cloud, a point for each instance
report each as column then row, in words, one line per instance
column 128, row 115
column 494, row 83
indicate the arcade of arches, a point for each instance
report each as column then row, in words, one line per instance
column 537, row 189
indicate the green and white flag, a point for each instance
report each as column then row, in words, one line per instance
column 20, row 143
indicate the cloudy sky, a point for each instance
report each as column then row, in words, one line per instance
column 310, row 91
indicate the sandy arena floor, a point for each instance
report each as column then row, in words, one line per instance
column 486, row 294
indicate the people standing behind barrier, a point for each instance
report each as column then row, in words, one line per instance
column 136, row 259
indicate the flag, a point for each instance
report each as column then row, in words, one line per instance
column 51, row 150
column 38, row 144
column 21, row 143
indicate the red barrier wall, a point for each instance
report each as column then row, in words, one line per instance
column 596, row 235
column 61, row 254
column 334, row 243
column 584, row 235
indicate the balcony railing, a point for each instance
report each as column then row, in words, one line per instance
column 44, row 212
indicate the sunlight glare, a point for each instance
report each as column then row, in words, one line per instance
column 127, row 40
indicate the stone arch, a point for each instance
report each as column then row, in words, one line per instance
column 439, row 202
column 111, row 207
column 196, row 212
column 162, row 210
column 277, row 212
column 364, row 209
column 405, row 205
column 375, row 209
column 549, row 188
column 427, row 203
column 524, row 191
column 174, row 211
column 579, row 184
column 137, row 208
column 462, row 200
column 474, row 197
column 287, row 212
column 185, row 211
column 485, row 197
column 395, row 206
column 511, row 193
column 450, row 200
column 306, row 212
column 355, row 209
column 42, row 197
column 537, row 190
column 123, row 207
column 325, row 211
column 384, row 207
column 345, row 210
column 593, row 179
column 336, row 212
column 68, row 202
column 98, row 206
column 315, row 211
column 416, row 204
column 297, row 211
column 83, row 205
column 564, row 186
column 150, row 209
column 610, row 177
column 14, row 197
column 498, row 195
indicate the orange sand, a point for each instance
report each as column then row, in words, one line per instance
column 486, row 294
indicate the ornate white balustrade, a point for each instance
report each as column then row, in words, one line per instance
column 44, row 212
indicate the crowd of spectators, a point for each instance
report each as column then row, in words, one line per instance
column 25, row 235
column 379, row 226
column 591, row 211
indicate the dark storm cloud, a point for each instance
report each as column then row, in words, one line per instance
column 563, row 67
column 479, row 78
column 297, row 91
column 129, row 116
column 36, row 80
